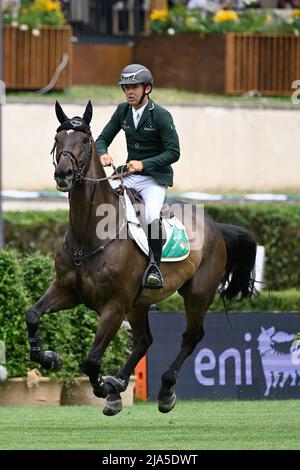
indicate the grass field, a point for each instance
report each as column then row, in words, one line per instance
column 196, row 425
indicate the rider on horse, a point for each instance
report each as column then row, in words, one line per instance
column 152, row 145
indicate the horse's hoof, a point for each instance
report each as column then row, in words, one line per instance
column 112, row 408
column 51, row 361
column 117, row 385
column 167, row 405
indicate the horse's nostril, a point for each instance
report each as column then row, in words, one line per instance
column 62, row 173
column 62, row 183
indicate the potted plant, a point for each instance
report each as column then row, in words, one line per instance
column 32, row 390
column 37, row 46
column 23, row 387
column 222, row 51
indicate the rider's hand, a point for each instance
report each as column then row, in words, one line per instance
column 135, row 165
column 106, row 160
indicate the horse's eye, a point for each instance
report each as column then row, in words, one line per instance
column 86, row 140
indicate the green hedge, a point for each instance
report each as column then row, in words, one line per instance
column 23, row 279
column 276, row 226
column 71, row 332
column 33, row 231
column 265, row 301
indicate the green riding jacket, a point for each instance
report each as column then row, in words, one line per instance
column 154, row 141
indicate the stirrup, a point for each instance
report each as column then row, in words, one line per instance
column 152, row 278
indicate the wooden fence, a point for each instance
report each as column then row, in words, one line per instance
column 100, row 64
column 234, row 63
column 268, row 63
column 184, row 61
column 30, row 61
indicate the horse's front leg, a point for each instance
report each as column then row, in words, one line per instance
column 112, row 316
column 142, row 340
column 55, row 298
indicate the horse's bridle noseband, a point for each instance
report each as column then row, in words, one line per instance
column 78, row 255
column 78, row 170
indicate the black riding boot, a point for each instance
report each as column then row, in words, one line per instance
column 153, row 278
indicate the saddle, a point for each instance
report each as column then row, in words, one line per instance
column 136, row 199
column 132, row 193
column 176, row 246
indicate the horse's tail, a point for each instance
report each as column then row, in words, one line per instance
column 238, row 278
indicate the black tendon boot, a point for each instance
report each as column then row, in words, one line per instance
column 153, row 278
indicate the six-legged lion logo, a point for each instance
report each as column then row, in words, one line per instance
column 279, row 353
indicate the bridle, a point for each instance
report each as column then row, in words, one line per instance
column 79, row 170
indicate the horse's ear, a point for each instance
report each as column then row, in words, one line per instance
column 88, row 113
column 59, row 113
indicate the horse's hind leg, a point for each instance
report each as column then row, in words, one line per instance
column 55, row 298
column 198, row 294
column 190, row 338
column 142, row 340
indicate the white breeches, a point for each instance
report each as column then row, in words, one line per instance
column 152, row 193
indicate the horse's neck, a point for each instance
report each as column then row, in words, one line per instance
column 85, row 198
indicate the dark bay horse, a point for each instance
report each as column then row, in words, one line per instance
column 105, row 274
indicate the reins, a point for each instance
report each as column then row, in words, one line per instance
column 111, row 177
column 78, row 175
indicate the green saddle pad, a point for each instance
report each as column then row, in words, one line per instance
column 177, row 246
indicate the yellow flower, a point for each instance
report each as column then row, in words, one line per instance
column 223, row 16
column 47, row 5
column 295, row 14
column 159, row 15
column 190, row 20
column 268, row 19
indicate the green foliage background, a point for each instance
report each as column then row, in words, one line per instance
column 276, row 226
column 23, row 280
column 27, row 269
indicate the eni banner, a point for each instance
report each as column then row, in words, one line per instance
column 254, row 356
